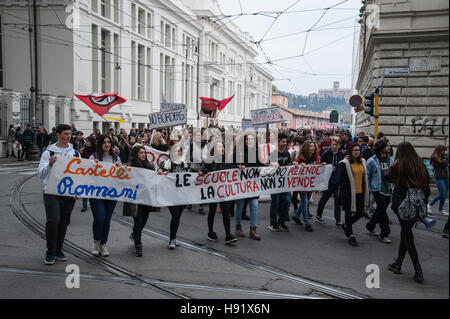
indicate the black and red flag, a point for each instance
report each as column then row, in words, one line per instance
column 101, row 103
column 210, row 106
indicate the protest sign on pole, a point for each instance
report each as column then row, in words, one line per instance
column 168, row 119
column 165, row 106
column 266, row 116
column 87, row 179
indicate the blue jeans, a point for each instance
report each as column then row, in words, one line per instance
column 442, row 185
column 85, row 201
column 279, row 206
column 102, row 211
column 253, row 205
column 304, row 207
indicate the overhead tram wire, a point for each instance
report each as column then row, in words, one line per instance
column 151, row 66
column 320, row 18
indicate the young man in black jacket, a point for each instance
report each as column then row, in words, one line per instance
column 28, row 139
column 332, row 156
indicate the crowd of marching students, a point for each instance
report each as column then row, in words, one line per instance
column 364, row 172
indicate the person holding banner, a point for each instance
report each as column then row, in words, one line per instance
column 57, row 208
column 86, row 152
column 219, row 164
column 309, row 155
column 174, row 165
column 279, row 206
column 138, row 158
column 354, row 190
column 102, row 209
column 195, row 158
column 332, row 156
column 250, row 159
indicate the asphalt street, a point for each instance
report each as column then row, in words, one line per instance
column 271, row 268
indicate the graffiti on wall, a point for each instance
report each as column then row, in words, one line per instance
column 429, row 126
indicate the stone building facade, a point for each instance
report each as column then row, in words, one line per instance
column 413, row 106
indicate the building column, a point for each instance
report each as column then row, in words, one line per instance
column 14, row 107
column 65, row 110
column 50, row 115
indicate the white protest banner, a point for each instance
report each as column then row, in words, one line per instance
column 165, row 106
column 266, row 116
column 154, row 156
column 168, row 119
column 85, row 178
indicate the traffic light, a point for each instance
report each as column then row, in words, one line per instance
column 369, row 104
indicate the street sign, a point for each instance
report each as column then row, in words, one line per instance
column 265, row 116
column 334, row 116
column 168, row 119
column 165, row 106
column 396, row 72
column 355, row 100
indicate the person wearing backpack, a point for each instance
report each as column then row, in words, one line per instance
column 57, row 208
column 409, row 176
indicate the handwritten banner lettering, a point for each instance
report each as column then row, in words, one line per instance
column 168, row 119
column 266, row 116
column 85, row 178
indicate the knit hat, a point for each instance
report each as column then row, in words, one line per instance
column 351, row 146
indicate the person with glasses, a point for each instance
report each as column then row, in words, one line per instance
column 354, row 190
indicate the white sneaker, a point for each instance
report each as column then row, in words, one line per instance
column 429, row 209
column 96, row 248
column 172, row 244
column 443, row 212
column 104, row 251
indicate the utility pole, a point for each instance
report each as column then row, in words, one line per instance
column 377, row 99
column 198, row 81
column 33, row 152
column 32, row 79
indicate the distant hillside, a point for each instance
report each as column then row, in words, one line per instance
column 317, row 105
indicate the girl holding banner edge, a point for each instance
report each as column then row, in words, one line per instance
column 174, row 165
column 138, row 158
column 225, row 206
column 248, row 160
column 102, row 209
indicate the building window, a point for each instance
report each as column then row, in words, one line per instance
column 149, row 25
column 103, row 61
column 95, row 6
column 141, row 72
column 133, row 17
column 133, row 69
column 116, row 11
column 94, row 58
column 141, row 18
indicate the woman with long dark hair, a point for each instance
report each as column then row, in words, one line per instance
column 225, row 206
column 308, row 155
column 176, row 164
column 408, row 171
column 138, row 158
column 102, row 209
column 439, row 160
column 354, row 190
column 247, row 160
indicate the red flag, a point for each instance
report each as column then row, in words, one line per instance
column 101, row 103
column 210, row 106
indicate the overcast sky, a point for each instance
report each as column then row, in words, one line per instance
column 330, row 63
